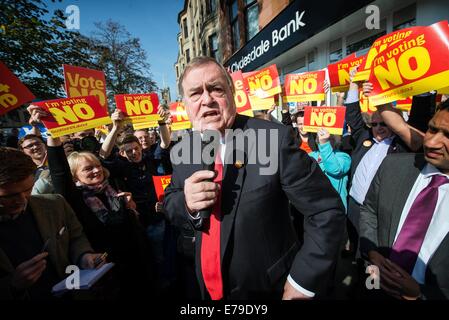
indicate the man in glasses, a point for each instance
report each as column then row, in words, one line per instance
column 372, row 144
column 34, row 147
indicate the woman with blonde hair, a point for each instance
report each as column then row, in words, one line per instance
column 107, row 215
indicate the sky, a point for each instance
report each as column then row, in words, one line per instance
column 153, row 21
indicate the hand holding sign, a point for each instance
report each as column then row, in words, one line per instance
column 323, row 135
column 163, row 113
column 117, row 118
column 367, row 88
column 36, row 114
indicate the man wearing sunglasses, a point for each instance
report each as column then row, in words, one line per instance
column 373, row 141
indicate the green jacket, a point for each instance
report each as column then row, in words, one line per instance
column 52, row 213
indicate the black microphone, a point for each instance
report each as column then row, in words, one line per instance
column 209, row 147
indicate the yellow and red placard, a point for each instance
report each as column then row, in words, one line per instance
column 339, row 72
column 261, row 103
column 307, row 86
column 241, row 98
column 413, row 65
column 262, row 85
column 13, row 93
column 331, row 118
column 80, row 82
column 144, row 125
column 138, row 107
column 160, row 183
column 365, row 106
column 379, row 46
column 180, row 120
column 404, row 104
column 73, row 114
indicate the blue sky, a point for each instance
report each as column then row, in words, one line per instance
column 154, row 22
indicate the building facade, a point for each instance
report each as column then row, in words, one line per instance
column 301, row 36
column 297, row 36
column 198, row 24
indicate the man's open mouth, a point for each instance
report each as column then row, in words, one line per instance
column 211, row 113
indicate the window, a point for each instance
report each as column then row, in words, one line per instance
column 405, row 18
column 177, row 72
column 362, row 46
column 297, row 66
column 235, row 30
column 311, row 61
column 251, row 18
column 213, row 47
column 335, row 51
column 360, row 41
column 186, row 33
column 188, row 55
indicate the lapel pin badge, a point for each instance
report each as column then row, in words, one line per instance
column 367, row 143
column 238, row 164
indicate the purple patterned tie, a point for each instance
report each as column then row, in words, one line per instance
column 408, row 244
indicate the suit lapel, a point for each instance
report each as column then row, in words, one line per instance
column 46, row 225
column 401, row 195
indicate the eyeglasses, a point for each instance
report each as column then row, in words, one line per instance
column 374, row 124
column 31, row 145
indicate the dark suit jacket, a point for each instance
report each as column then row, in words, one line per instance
column 259, row 247
column 381, row 212
column 52, row 213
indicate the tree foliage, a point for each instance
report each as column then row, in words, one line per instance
column 35, row 43
column 122, row 59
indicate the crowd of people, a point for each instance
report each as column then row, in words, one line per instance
column 378, row 194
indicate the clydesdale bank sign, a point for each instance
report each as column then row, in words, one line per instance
column 298, row 22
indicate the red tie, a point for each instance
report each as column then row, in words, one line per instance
column 210, row 244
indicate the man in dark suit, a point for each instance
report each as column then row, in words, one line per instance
column 386, row 133
column 256, row 253
column 404, row 221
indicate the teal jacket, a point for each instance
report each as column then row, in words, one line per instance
column 335, row 164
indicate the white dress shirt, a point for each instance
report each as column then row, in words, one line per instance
column 439, row 225
column 367, row 168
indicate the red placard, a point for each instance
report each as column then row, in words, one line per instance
column 160, row 183
column 339, row 72
column 263, row 83
column 138, row 107
column 81, row 81
column 307, row 86
column 180, row 120
column 380, row 45
column 414, row 64
column 404, row 104
column 13, row 93
column 73, row 114
column 365, row 106
column 241, row 98
column 331, row 118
